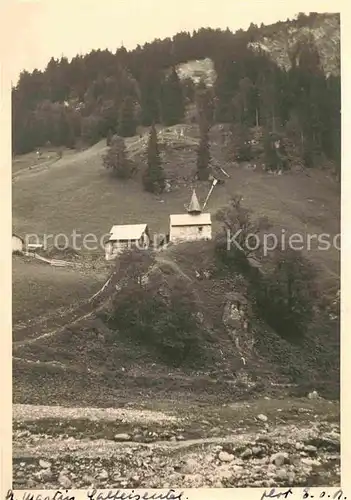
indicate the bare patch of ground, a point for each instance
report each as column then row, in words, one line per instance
column 262, row 443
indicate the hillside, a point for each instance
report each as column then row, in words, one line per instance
column 281, row 41
column 90, row 201
column 199, row 358
column 284, row 78
column 65, row 350
column 284, row 199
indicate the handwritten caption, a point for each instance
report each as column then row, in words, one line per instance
column 307, row 493
column 102, row 495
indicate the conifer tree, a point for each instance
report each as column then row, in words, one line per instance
column 203, row 152
column 244, row 149
column 149, row 98
column 127, row 123
column 154, row 177
column 116, row 159
column 172, row 100
column 204, row 104
column 274, row 151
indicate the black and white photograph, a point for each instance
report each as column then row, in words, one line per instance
column 176, row 201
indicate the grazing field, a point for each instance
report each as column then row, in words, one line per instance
column 39, row 289
column 76, row 193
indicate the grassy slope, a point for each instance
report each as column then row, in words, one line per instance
column 76, row 193
column 83, row 367
column 39, row 289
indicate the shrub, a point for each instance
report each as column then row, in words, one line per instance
column 284, row 293
column 157, row 313
column 91, row 129
column 237, row 223
column 284, row 296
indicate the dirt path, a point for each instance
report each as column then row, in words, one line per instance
column 38, row 412
column 134, row 146
column 57, row 323
column 85, row 310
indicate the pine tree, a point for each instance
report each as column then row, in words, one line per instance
column 244, row 149
column 204, row 104
column 274, row 152
column 150, row 98
column 203, row 152
column 127, row 123
column 116, row 159
column 233, row 143
column 154, row 177
column 244, row 103
column 172, row 100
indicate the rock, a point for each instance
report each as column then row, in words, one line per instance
column 217, row 448
column 64, row 481
column 218, row 484
column 310, row 462
column 330, row 442
column 215, row 431
column 258, row 483
column 44, row 464
column 262, row 417
column 122, row 437
column 189, row 467
column 103, row 474
column 193, row 480
column 278, row 459
column 281, row 474
column 87, row 479
column 246, row 454
column 271, row 482
column 291, row 477
column 310, row 449
column 180, row 437
column 225, row 457
column 313, row 395
column 257, row 450
column 46, row 475
column 225, row 473
column 295, row 459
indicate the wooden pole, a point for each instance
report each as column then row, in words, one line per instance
column 209, row 193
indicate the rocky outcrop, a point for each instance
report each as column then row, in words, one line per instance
column 236, row 319
column 283, row 42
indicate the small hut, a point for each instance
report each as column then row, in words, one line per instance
column 192, row 226
column 18, row 244
column 124, row 237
